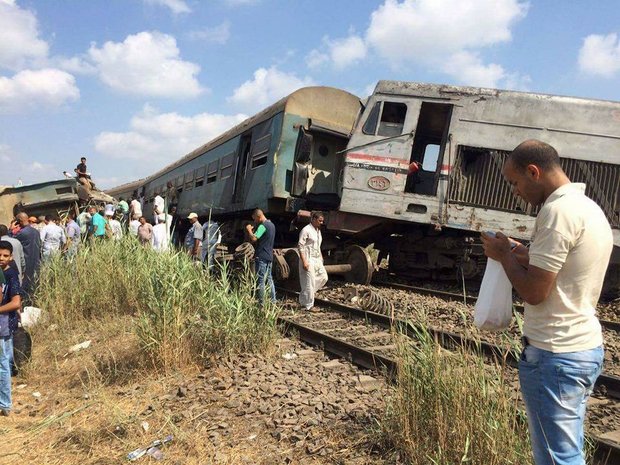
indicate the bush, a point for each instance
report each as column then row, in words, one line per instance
column 183, row 314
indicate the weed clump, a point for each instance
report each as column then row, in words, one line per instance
column 449, row 408
column 180, row 313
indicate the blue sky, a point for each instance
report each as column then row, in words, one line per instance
column 135, row 84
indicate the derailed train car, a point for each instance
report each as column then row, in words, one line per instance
column 56, row 197
column 320, row 148
column 460, row 138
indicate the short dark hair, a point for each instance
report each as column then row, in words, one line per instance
column 316, row 215
column 83, row 158
column 49, row 218
column 3, row 230
column 535, row 152
column 6, row 245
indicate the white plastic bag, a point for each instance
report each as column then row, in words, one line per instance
column 493, row 310
column 30, row 316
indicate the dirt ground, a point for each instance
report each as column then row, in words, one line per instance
column 96, row 405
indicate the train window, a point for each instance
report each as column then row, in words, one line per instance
column 212, row 171
column 392, row 119
column 179, row 184
column 370, row 126
column 200, row 177
column 189, row 180
column 260, row 151
column 227, row 166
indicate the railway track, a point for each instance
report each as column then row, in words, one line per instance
column 363, row 337
column 456, row 297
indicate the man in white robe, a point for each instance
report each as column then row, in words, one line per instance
column 312, row 274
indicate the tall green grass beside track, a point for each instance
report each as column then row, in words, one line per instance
column 451, row 408
column 180, row 313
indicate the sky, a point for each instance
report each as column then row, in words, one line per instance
column 133, row 85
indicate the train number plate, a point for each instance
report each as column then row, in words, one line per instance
column 379, row 183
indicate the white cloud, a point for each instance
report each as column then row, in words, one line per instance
column 176, row 6
column 316, row 59
column 160, row 138
column 19, row 36
column 600, row 55
column 341, row 53
column 76, row 64
column 146, row 63
column 217, row 34
column 430, row 30
column 33, row 88
column 345, row 52
column 267, row 87
column 468, row 68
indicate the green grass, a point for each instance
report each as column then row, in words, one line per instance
column 451, row 408
column 182, row 314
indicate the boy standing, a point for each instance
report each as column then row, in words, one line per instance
column 11, row 303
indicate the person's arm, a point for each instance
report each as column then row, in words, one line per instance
column 301, row 245
column 14, row 304
column 532, row 283
column 250, row 229
column 255, row 236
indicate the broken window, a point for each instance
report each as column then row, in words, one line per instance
column 260, row 151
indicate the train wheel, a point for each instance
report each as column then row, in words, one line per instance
column 361, row 265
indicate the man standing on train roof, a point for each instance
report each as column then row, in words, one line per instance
column 263, row 239
column 312, row 274
column 560, row 278
column 30, row 239
column 193, row 238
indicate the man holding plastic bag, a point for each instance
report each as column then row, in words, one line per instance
column 560, row 279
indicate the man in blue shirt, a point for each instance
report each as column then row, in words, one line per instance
column 98, row 225
column 263, row 239
column 11, row 303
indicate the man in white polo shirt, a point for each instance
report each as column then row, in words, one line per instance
column 560, row 279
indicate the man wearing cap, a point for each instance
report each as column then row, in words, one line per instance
column 193, row 238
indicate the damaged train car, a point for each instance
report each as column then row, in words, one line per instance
column 46, row 198
column 457, row 139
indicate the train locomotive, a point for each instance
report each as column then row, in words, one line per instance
column 415, row 170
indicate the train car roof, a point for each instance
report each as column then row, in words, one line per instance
column 128, row 186
column 307, row 101
column 445, row 91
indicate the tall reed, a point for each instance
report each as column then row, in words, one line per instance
column 180, row 313
column 449, row 408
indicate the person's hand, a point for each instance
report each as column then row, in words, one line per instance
column 249, row 228
column 496, row 247
column 306, row 265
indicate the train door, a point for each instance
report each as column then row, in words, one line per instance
column 428, row 148
column 245, row 142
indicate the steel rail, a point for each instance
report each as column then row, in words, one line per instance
column 610, row 384
column 605, row 452
column 453, row 296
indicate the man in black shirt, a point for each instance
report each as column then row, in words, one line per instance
column 263, row 239
column 82, row 175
